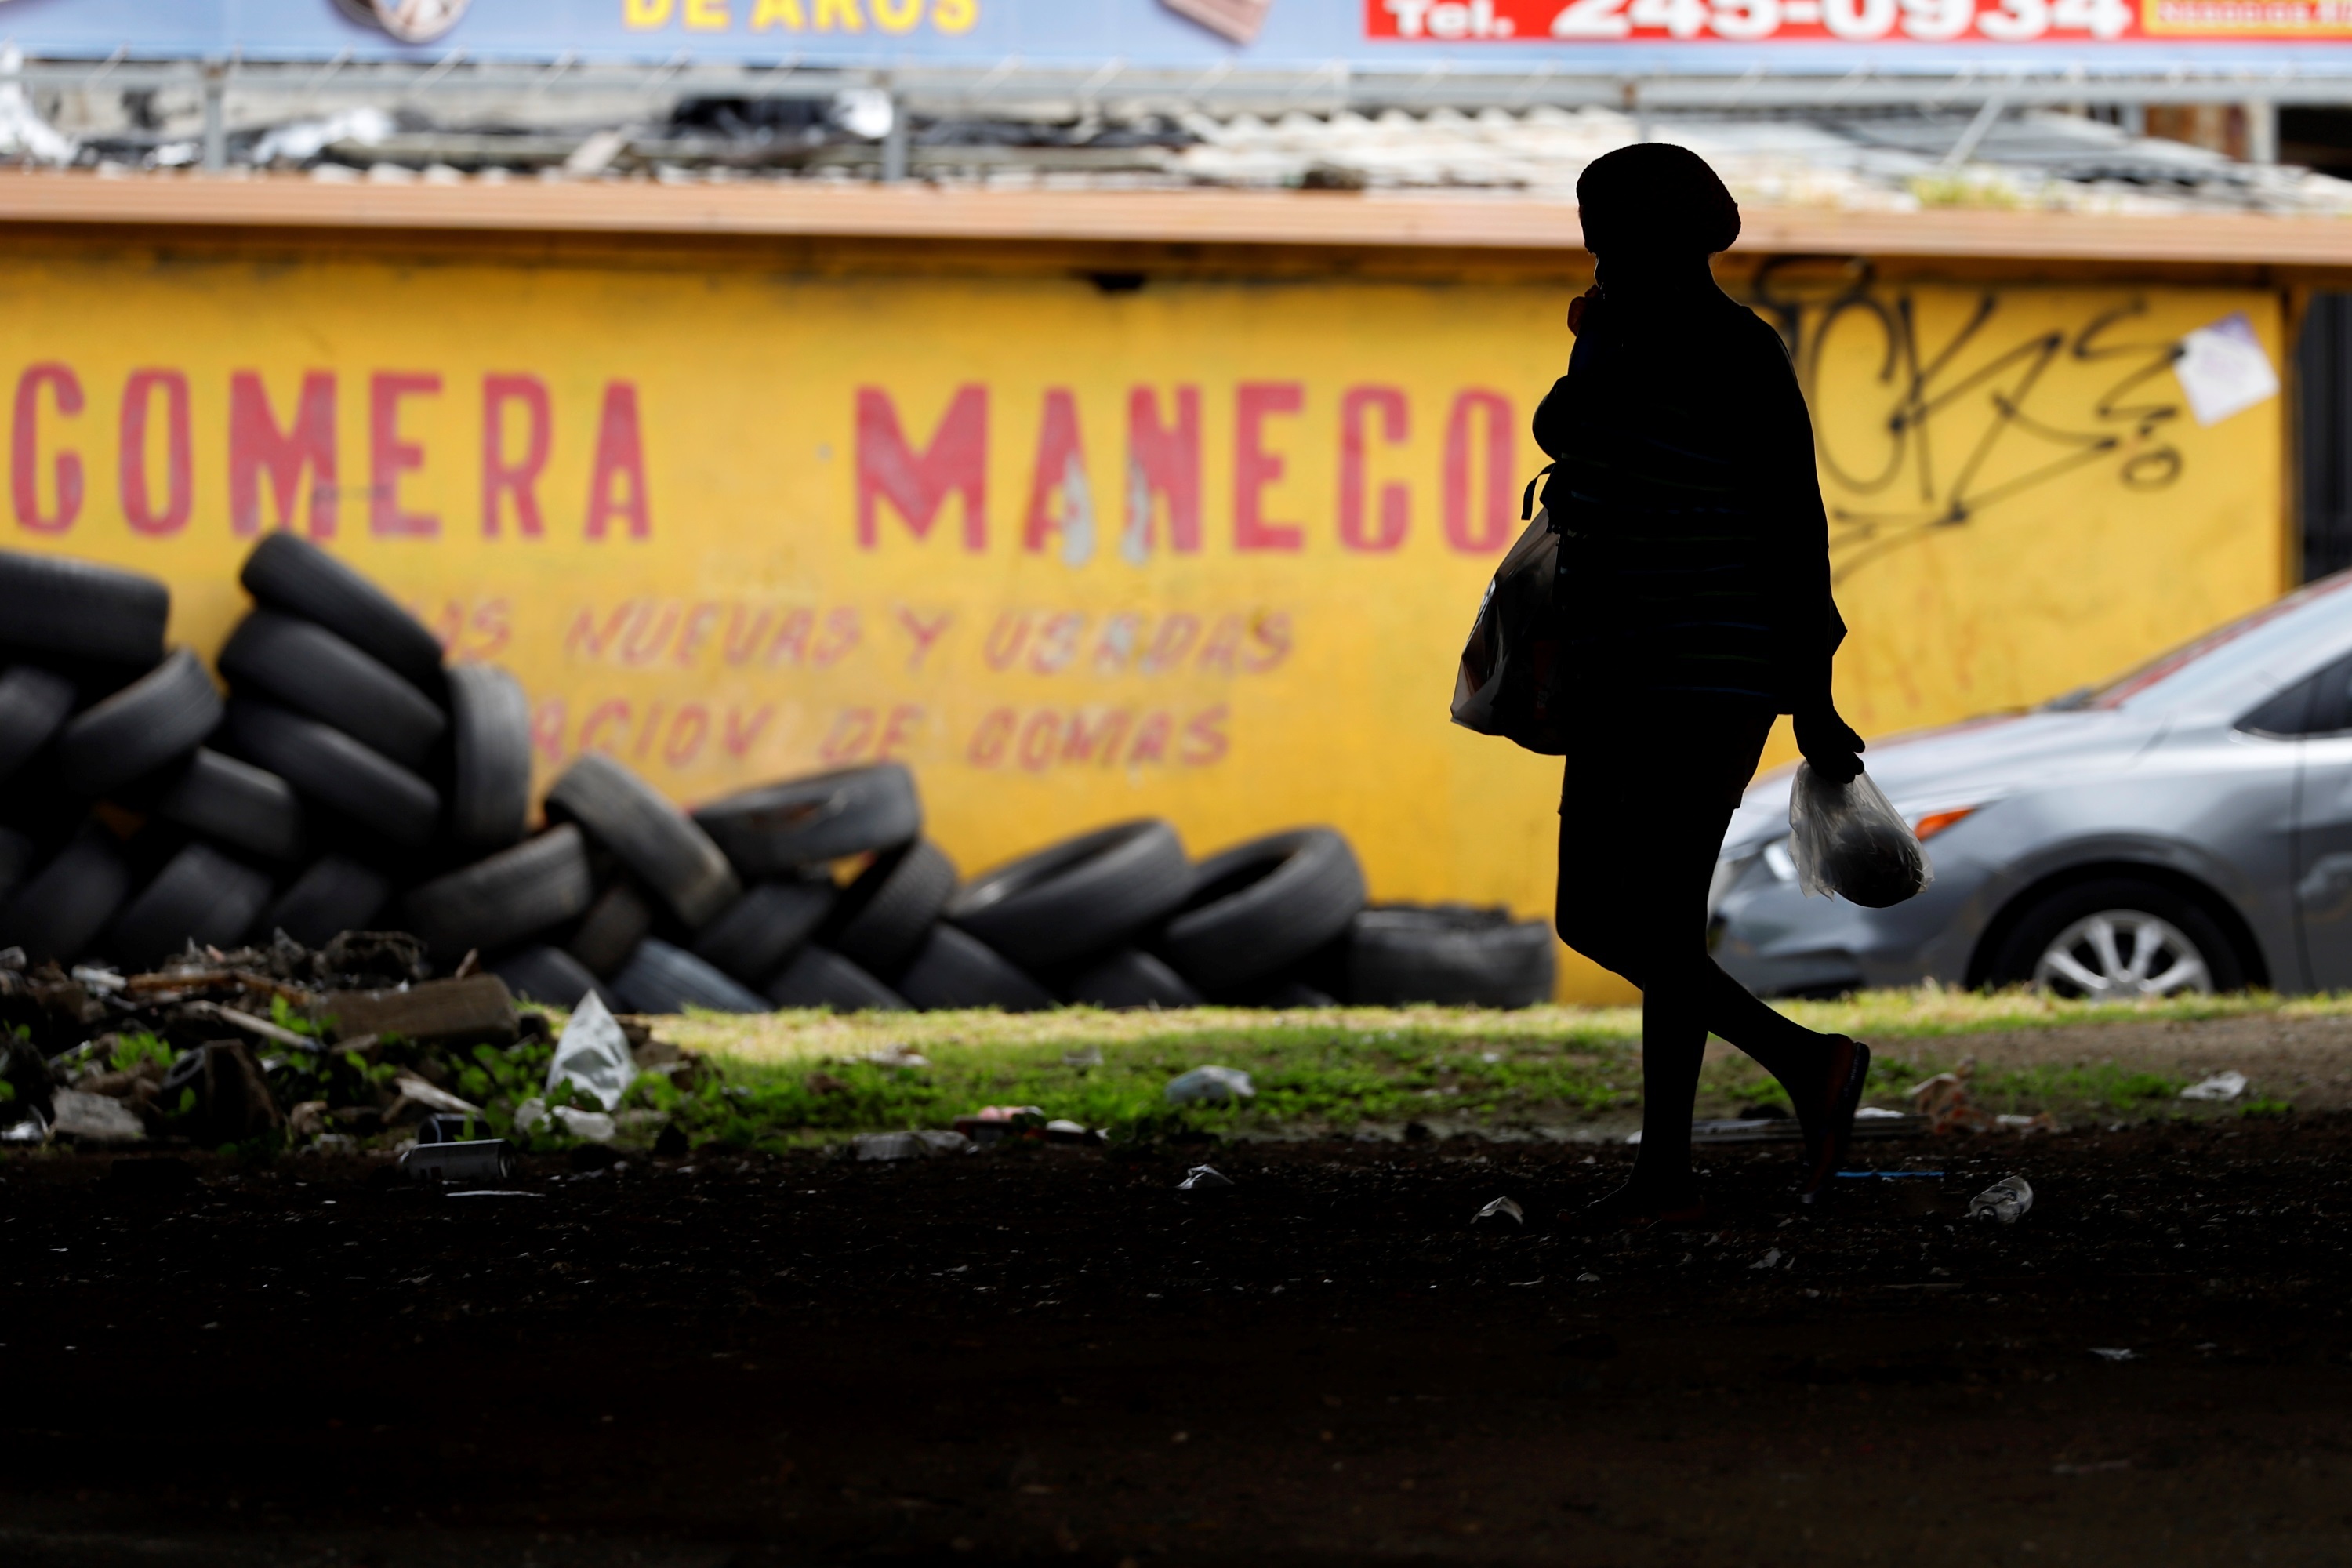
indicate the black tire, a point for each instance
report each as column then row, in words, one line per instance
column 326, row 765
column 955, row 969
column 241, row 806
column 1130, row 978
column 293, row 574
column 497, row 902
column 18, row 858
column 302, row 665
column 659, row 978
column 1260, row 907
column 201, row 895
column 489, row 732
column 652, row 837
column 35, row 704
column 78, row 610
column 333, row 896
column 59, row 909
column 2020, row 952
column 762, row 930
column 1078, row 898
column 781, row 828
column 1284, row 993
column 148, row 725
column 611, row 929
column 551, row 976
column 1451, row 955
column 820, row 977
column 885, row 914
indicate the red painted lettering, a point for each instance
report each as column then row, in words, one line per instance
column 1490, row 529
column 1041, row 737
column 699, row 621
column 518, row 478
column 646, row 734
column 954, row 463
column 742, row 734
column 1163, row 464
column 1087, row 741
column 620, row 457
column 546, row 730
column 389, row 456
column 852, row 729
column 686, row 733
column 1255, row 468
column 1395, row 501
column 791, row 646
column 1224, row 644
column 1204, row 737
column 24, row 450
column 1060, row 499
column 925, row 628
column 139, row 508
column 843, row 631
column 585, row 641
column 603, row 714
column 1175, row 638
column 649, row 632
column 900, row 728
column 257, row 444
column 1120, row 632
column 987, row 749
column 1271, row 632
column 1005, row 639
column 1057, row 641
column 741, row 643
column 1150, row 741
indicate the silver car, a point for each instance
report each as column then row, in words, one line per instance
column 2187, row 827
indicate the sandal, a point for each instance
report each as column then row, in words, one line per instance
column 1826, row 1146
column 1626, row 1209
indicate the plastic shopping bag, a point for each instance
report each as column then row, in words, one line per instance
column 1847, row 839
column 1505, row 685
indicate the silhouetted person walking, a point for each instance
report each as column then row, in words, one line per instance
column 1695, row 589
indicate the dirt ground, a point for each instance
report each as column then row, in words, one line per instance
column 1052, row 1355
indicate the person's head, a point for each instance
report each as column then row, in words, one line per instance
column 1655, row 201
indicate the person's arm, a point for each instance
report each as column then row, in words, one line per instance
column 1812, row 627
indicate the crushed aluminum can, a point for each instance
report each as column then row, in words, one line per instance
column 484, row 1159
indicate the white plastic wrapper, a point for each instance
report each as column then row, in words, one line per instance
column 1847, row 839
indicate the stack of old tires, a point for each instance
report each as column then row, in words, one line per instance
column 139, row 809
column 349, row 779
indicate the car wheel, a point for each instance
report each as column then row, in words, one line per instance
column 2119, row 939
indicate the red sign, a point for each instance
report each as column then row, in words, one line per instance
column 1849, row 21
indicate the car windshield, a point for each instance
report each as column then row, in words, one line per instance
column 2229, row 653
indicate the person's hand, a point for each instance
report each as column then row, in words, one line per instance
column 1829, row 743
column 1577, row 306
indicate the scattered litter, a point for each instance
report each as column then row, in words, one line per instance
column 1062, row 1130
column 1944, row 1100
column 1215, row 1084
column 414, row 1090
column 1202, row 1179
column 592, row 1055
column 1084, row 1056
column 1501, row 1208
column 919, row 1145
column 2004, row 1200
column 495, row 1193
column 2114, row 1352
column 93, row 1119
column 992, row 1124
column 1588, row 1277
column 894, row 1056
column 2220, row 1086
column 2041, row 1121
column 1769, row 1261
column 1877, row 1113
column 588, row 1126
column 483, row 1158
column 1888, row 1175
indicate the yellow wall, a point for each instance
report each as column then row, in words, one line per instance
column 749, row 632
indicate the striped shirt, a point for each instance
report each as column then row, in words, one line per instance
column 1694, row 547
